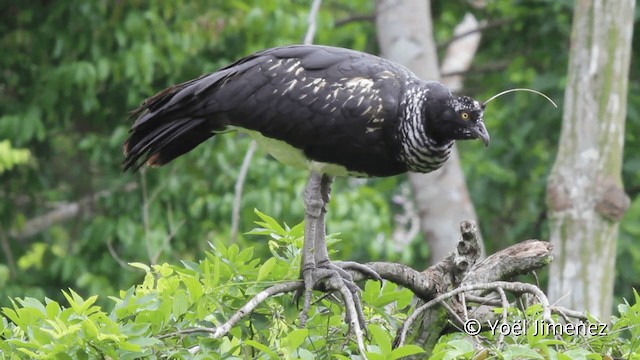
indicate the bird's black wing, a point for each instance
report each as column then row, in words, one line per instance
column 334, row 104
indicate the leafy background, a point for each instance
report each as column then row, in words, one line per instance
column 72, row 71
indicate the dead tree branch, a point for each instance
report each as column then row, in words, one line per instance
column 64, row 212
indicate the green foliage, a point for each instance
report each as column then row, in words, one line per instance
column 154, row 318
column 174, row 308
column 10, row 157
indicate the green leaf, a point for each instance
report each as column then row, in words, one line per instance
column 262, row 348
column 521, row 352
column 139, row 265
column 53, row 308
column 381, row 338
column 180, row 303
column 404, row 298
column 270, row 223
column 405, row 350
column 295, row 338
column 266, row 268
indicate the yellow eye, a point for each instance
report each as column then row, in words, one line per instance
column 464, row 115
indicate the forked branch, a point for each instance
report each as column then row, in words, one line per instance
column 440, row 284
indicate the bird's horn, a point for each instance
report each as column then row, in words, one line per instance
column 518, row 89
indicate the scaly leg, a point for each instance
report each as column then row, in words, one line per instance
column 317, row 270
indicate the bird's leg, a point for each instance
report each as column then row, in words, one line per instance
column 322, row 260
column 315, row 208
column 316, row 265
column 321, row 254
column 312, row 208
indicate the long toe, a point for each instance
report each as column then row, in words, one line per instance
column 365, row 270
column 330, row 277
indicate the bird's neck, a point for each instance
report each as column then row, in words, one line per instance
column 419, row 151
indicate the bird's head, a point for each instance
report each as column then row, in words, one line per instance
column 455, row 117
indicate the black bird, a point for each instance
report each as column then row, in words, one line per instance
column 329, row 110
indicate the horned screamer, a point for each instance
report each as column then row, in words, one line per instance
column 328, row 110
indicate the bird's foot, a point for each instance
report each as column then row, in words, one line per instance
column 334, row 276
column 329, row 277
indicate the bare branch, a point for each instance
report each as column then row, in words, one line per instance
column 568, row 313
column 237, row 195
column 441, row 277
column 480, row 28
column 167, row 239
column 114, row 254
column 64, row 212
column 312, row 21
column 452, row 313
column 8, row 254
column 505, row 306
column 354, row 18
column 515, row 287
column 223, row 329
column 515, row 260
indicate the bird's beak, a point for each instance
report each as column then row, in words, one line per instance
column 481, row 133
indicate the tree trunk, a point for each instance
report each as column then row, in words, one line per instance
column 406, row 37
column 584, row 194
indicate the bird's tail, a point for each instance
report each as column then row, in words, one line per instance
column 168, row 125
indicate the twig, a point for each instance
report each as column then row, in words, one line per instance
column 451, row 312
column 477, row 70
column 463, row 301
column 354, row 18
column 145, row 213
column 114, row 254
column 146, row 219
column 167, row 239
column 223, row 329
column 312, row 21
column 480, row 28
column 483, row 300
column 8, row 254
column 535, row 277
column 505, row 306
column 559, row 310
column 568, row 313
column 237, row 195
